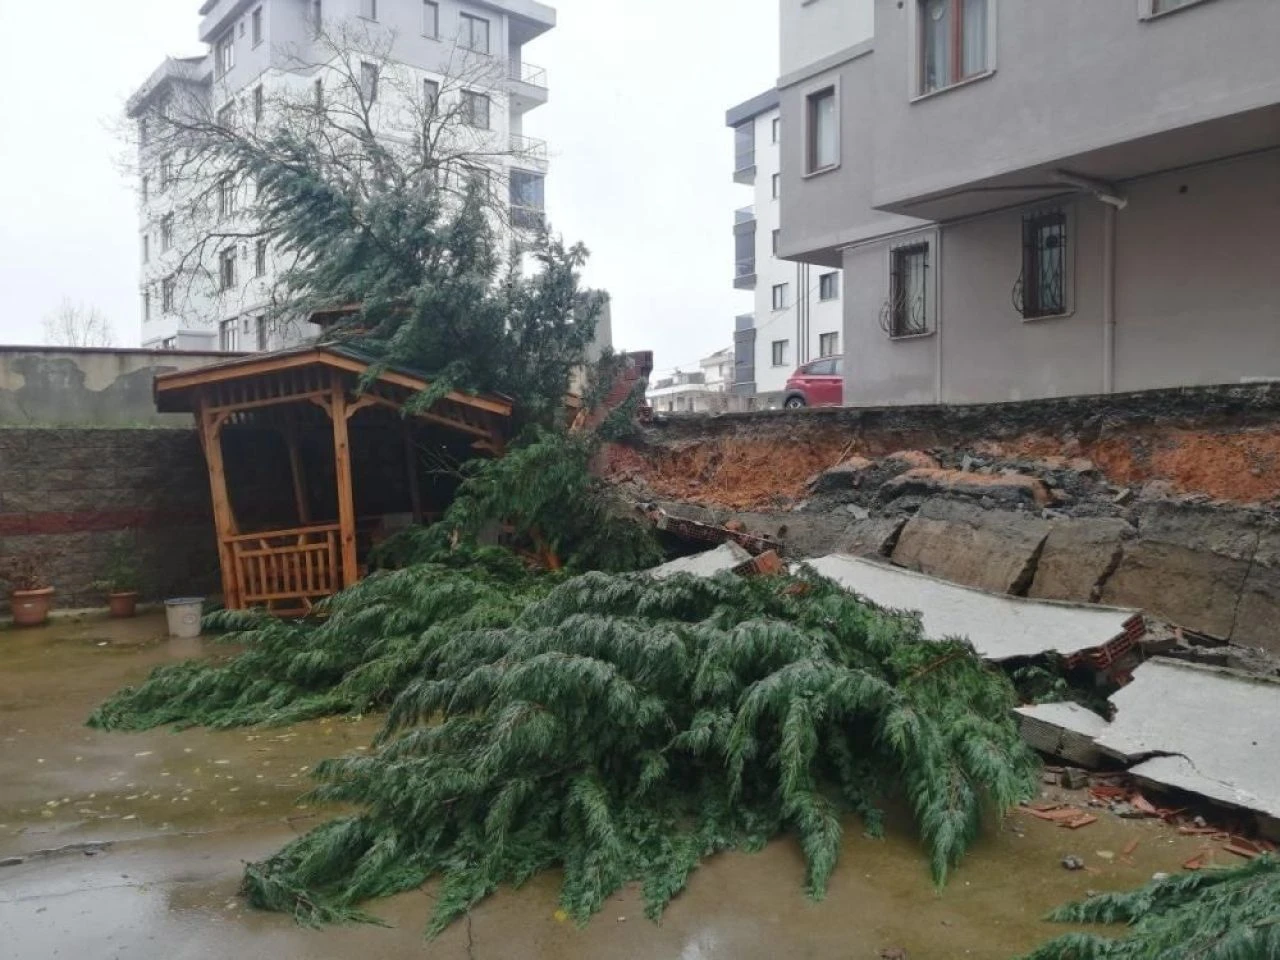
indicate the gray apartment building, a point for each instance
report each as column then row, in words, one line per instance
column 1037, row 199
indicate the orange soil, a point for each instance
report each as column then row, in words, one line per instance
column 743, row 474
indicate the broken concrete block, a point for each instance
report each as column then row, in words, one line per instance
column 1065, row 730
column 990, row 549
column 722, row 559
column 1008, row 489
column 1191, row 588
column 1257, row 622
column 1077, row 559
column 872, row 537
column 842, row 478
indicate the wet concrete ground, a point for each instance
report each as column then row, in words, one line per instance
column 184, row 811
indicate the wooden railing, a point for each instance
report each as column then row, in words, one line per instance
column 287, row 567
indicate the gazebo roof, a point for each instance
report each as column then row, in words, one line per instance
column 264, row 379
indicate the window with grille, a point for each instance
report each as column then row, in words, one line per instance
column 829, row 346
column 780, row 352
column 168, row 294
column 908, row 309
column 227, row 269
column 953, row 41
column 1041, row 291
column 829, row 286
column 475, row 33
column 475, row 109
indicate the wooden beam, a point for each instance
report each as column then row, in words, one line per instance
column 224, row 519
column 346, row 492
column 452, row 424
column 411, row 460
column 356, row 406
column 269, row 402
column 299, row 477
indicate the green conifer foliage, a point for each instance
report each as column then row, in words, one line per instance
column 623, row 729
column 1206, row 915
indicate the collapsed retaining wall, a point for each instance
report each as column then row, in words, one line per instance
column 67, row 496
column 1164, row 500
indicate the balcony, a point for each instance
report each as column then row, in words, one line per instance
column 526, row 84
column 744, row 215
column 744, row 154
column 529, row 152
column 744, row 241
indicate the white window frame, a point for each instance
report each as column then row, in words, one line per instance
column 780, row 304
column 1147, row 9
column 834, row 276
column 225, row 53
column 774, row 353
column 227, row 278
column 466, row 33
column 168, row 294
column 822, row 338
column 431, row 18
column 831, row 84
column 260, row 258
column 934, row 290
column 166, row 233
column 469, row 99
column 229, row 336
column 256, row 19
column 915, row 48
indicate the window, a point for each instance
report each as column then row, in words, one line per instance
column 823, row 134
column 317, row 18
column 820, row 368
column 475, row 109
column 227, row 116
column 229, row 336
column 369, row 9
column 260, row 259
column 146, row 248
column 146, row 306
column 829, row 346
column 431, row 94
column 166, row 233
column 166, row 171
column 777, row 237
column 146, row 189
column 475, row 33
column 227, row 197
column 318, row 89
column 430, row 19
column 227, row 269
column 262, row 333
column 777, row 129
column 781, row 296
column 168, row 293
column 144, row 132
column 777, row 185
column 908, row 307
column 528, row 199
column 225, row 53
column 953, row 42
column 829, row 287
column 780, row 352
column 1041, row 291
column 169, row 343
column 369, row 81
column 257, row 26
column 259, row 103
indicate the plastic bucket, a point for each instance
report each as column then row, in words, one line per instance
column 184, row 617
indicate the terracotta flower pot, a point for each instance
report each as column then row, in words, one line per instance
column 31, row 607
column 123, row 605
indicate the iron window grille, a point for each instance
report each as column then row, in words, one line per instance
column 1041, row 290
column 906, row 313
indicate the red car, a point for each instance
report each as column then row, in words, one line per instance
column 817, row 384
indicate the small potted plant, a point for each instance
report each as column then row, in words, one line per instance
column 121, row 584
column 30, row 595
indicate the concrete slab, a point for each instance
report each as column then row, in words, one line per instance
column 720, row 560
column 1212, row 731
column 999, row 627
column 1065, row 730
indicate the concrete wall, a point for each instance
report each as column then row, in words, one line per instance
column 50, row 386
column 1069, row 78
column 815, row 29
column 1196, row 300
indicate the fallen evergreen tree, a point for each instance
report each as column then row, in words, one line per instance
column 624, row 729
column 1206, row 915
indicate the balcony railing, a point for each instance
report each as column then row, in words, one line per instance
column 744, row 215
column 521, row 72
column 742, row 269
column 744, row 159
column 529, row 148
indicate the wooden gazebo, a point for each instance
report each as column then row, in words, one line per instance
column 310, row 458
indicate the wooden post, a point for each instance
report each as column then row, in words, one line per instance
column 223, row 517
column 299, row 479
column 346, row 494
column 411, row 459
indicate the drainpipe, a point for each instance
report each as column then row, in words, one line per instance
column 1109, row 216
column 937, row 322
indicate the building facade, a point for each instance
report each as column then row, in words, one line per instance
column 707, row 390
column 796, row 306
column 1037, row 199
column 263, row 51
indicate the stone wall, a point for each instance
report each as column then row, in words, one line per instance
column 67, row 496
column 1167, row 501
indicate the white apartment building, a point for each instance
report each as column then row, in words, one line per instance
column 703, row 391
column 261, row 50
column 796, row 315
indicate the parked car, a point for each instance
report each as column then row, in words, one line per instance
column 816, row 384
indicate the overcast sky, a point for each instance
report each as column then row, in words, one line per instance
column 641, row 159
